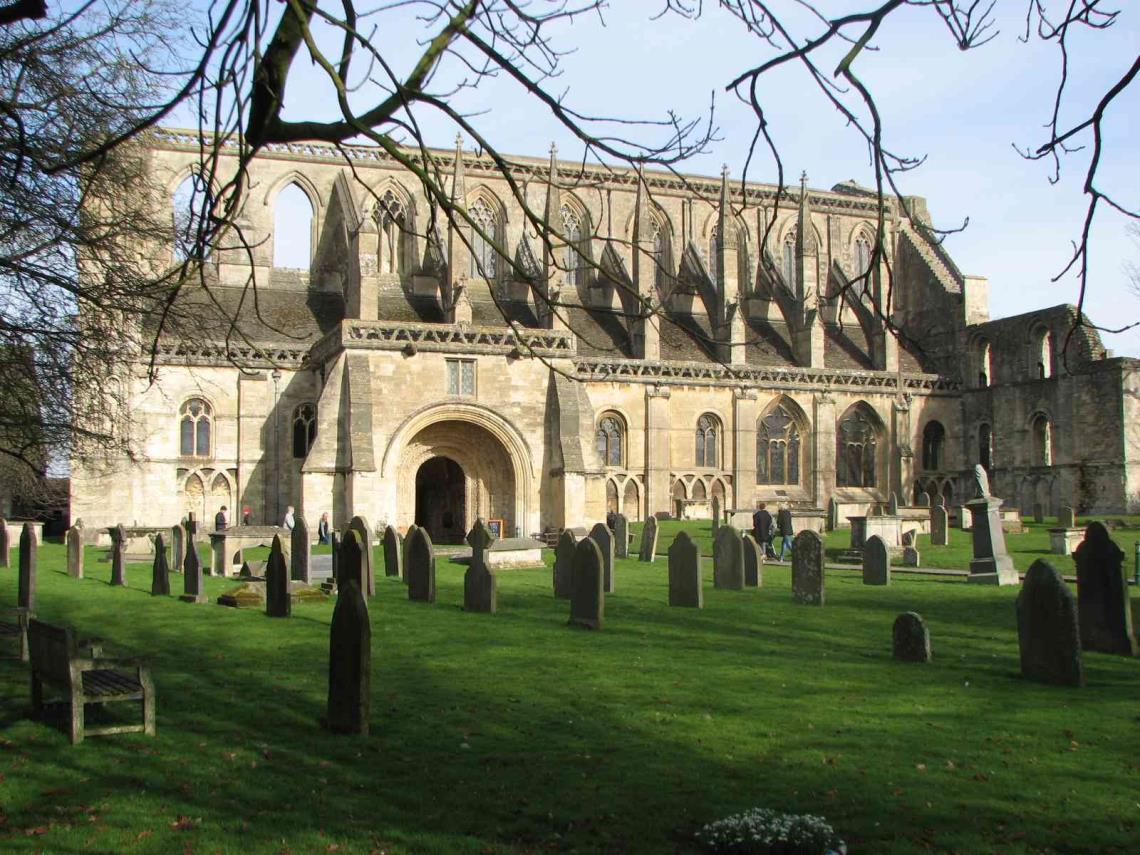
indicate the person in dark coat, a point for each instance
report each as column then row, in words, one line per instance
column 220, row 521
column 323, row 529
column 762, row 530
column 784, row 529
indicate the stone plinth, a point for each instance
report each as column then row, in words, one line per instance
column 226, row 546
column 1062, row 541
column 888, row 528
column 514, row 552
column 991, row 564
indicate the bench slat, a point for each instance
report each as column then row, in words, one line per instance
column 103, row 682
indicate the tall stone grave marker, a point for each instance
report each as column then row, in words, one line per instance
column 1067, row 518
column 648, row 549
column 753, row 562
column 300, row 550
column 75, row 552
column 604, row 539
column 685, row 587
column 939, row 527
column 621, row 536
column 991, row 564
column 479, row 583
column 1102, row 594
column 412, row 529
column 192, row 575
column 177, row 547
column 807, row 568
column 876, row 561
column 587, row 585
column 350, row 651
column 832, row 514
column 5, row 544
column 26, row 590
column 715, row 514
column 728, row 559
column 1038, row 512
column 393, row 553
column 278, row 603
column 420, row 569
column 563, row 564
column 364, row 531
column 350, row 560
column 1047, row 628
column 910, row 639
column 160, row 570
column 118, row 553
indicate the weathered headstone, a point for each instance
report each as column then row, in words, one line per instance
column 563, row 564
column 177, row 547
column 26, row 590
column 75, row 552
column 479, row 583
column 278, row 603
column 964, row 518
column 753, row 562
column 893, row 504
column 991, row 564
column 604, row 539
column 911, row 557
column 350, row 656
column 412, row 529
column 5, row 544
column 160, row 570
column 1038, row 512
column 807, row 568
column 1067, row 518
column 587, row 585
column 648, row 550
column 910, row 639
column 118, row 553
column 832, row 514
column 728, row 559
column 393, row 553
column 420, row 568
column 192, row 576
column 876, row 561
column 300, row 550
column 364, row 531
column 685, row 573
column 246, row 572
column 1047, row 628
column 923, row 499
column 350, row 561
column 1102, row 594
column 939, row 527
column 621, row 536
column 715, row 514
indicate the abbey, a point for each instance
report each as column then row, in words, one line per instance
column 649, row 355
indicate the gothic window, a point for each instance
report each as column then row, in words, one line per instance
column 611, row 497
column 857, row 439
column 461, row 377
column 195, row 428
column 292, row 228
column 1043, row 353
column 1042, row 441
column 778, row 448
column 609, row 439
column 191, row 204
column 708, row 429
column 660, row 256
column 862, row 254
column 933, row 443
column 985, row 365
column 573, row 260
column 304, row 429
column 986, row 447
column 484, row 255
column 391, row 225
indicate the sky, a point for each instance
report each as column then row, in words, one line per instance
column 963, row 111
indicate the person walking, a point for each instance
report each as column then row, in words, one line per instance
column 784, row 529
column 762, row 530
column 220, row 521
column 323, row 528
column 290, row 520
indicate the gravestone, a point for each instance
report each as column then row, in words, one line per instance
column 334, row 549
column 563, row 564
column 160, row 570
column 911, row 557
column 118, row 553
column 75, row 552
column 923, row 499
column 715, row 514
column 479, row 583
column 893, row 504
column 246, row 572
column 1102, row 594
column 1047, row 632
column 832, row 514
column 420, row 567
column 5, row 544
column 939, row 527
column 278, row 603
column 26, row 590
column 587, row 585
column 991, row 564
column 412, row 529
column 1038, row 512
column 192, row 576
column 621, row 536
column 177, row 547
column 807, row 568
column 300, row 550
column 393, row 553
column 350, row 560
column 685, row 573
column 648, row 549
column 910, row 639
column 364, row 531
column 1067, row 519
column 604, row 539
column 964, row 518
column 753, row 562
column 350, row 654
column 728, row 559
column 876, row 561
column 191, row 525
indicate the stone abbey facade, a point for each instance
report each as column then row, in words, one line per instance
column 648, row 358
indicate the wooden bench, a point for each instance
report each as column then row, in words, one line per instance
column 14, row 625
column 86, row 677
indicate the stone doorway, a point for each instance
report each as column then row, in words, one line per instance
column 441, row 499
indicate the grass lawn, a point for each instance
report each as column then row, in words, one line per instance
column 514, row 733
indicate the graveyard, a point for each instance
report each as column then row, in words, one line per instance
column 514, row 732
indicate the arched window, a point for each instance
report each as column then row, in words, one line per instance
column 986, row 447
column 304, row 429
column 862, row 254
column 985, row 365
column 573, row 253
column 933, row 443
column 660, row 255
column 778, row 448
column 484, row 255
column 292, row 228
column 611, row 497
column 610, row 436
column 788, row 259
column 1043, row 353
column 708, row 427
column 1042, row 441
column 857, row 439
column 391, row 228
column 191, row 204
column 194, row 429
